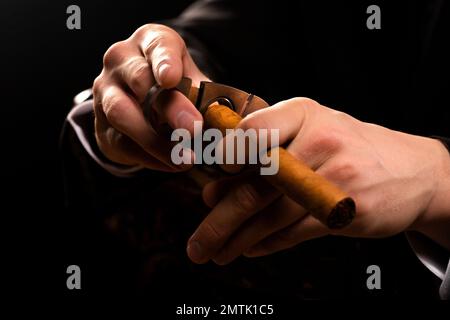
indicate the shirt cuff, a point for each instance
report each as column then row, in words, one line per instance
column 434, row 257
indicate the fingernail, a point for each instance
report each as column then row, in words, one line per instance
column 185, row 120
column 195, row 251
column 162, row 71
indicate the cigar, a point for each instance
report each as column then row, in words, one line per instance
column 323, row 199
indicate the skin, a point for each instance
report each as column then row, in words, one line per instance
column 152, row 54
column 399, row 181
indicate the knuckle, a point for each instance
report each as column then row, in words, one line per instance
column 97, row 88
column 253, row 121
column 303, row 105
column 97, row 84
column 113, row 54
column 211, row 233
column 327, row 138
column 303, row 101
column 153, row 27
column 163, row 37
column 114, row 109
column 246, row 199
column 342, row 170
column 140, row 72
column 367, row 203
column 162, row 28
column 341, row 116
column 139, row 80
column 153, row 43
column 166, row 32
column 142, row 31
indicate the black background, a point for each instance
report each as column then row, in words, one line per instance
column 44, row 65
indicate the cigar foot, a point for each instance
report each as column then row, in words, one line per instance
column 342, row 214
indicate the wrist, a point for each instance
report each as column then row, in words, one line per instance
column 435, row 220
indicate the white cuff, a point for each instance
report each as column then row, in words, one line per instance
column 434, row 257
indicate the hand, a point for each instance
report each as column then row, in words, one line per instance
column 153, row 54
column 399, row 182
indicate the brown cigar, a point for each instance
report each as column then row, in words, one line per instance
column 324, row 200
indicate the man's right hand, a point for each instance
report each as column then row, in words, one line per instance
column 153, row 54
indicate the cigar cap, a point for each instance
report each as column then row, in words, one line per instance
column 342, row 214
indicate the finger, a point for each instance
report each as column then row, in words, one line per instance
column 172, row 106
column 262, row 129
column 236, row 150
column 136, row 74
column 288, row 118
column 235, row 208
column 164, row 50
column 125, row 63
column 280, row 214
column 125, row 115
column 178, row 111
column 118, row 53
column 121, row 149
column 214, row 191
column 306, row 229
